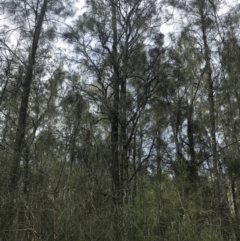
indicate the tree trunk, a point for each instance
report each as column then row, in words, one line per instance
column 192, row 172
column 22, row 116
column 116, row 187
column 124, row 141
column 211, row 102
column 134, row 167
column 158, row 147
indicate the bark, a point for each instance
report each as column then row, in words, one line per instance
column 192, row 165
column 116, row 188
column 234, row 199
column 139, row 158
column 21, row 126
column 134, row 167
column 236, row 211
column 175, row 126
column 124, row 142
column 211, row 102
column 158, row 147
column 26, row 172
column 22, row 116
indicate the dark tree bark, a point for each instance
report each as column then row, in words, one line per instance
column 192, row 165
column 22, row 116
column 211, row 101
column 116, row 187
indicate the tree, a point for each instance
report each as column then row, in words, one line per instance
column 30, row 20
column 106, row 37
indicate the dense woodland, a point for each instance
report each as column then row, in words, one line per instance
column 119, row 120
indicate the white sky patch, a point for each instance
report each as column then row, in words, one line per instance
column 80, row 4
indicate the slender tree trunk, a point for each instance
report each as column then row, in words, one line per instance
column 236, row 211
column 139, row 158
column 175, row 126
column 26, row 171
column 158, row 147
column 134, row 166
column 22, row 121
column 124, row 144
column 192, row 165
column 116, row 186
column 22, row 116
column 211, row 105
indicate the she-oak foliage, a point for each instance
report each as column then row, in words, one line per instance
column 127, row 134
